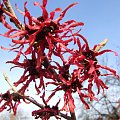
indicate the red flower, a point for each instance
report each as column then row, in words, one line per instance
column 31, row 73
column 88, row 67
column 46, row 112
column 43, row 32
column 10, row 101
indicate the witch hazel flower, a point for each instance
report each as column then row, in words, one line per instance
column 31, row 73
column 88, row 67
column 9, row 101
column 43, row 32
column 47, row 111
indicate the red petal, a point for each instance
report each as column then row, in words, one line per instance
column 7, row 34
column 22, row 79
column 41, row 82
column 19, row 53
column 64, row 12
column 24, row 88
column 104, row 51
column 3, row 48
column 44, row 13
column 20, row 41
column 18, row 34
column 84, row 39
column 29, row 49
column 19, row 10
column 81, row 95
column 76, row 24
column 58, row 9
column 92, row 68
column 71, row 102
column 79, row 44
column 109, row 69
column 53, row 93
column 44, row 3
column 52, row 14
column 6, row 24
column 37, row 88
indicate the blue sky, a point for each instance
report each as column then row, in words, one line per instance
column 101, row 18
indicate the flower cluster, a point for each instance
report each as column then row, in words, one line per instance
column 11, row 101
column 38, row 40
column 46, row 112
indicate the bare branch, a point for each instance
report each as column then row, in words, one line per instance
column 9, row 82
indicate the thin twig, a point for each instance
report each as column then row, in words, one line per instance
column 10, row 9
column 65, row 116
column 95, row 109
column 8, row 81
column 73, row 117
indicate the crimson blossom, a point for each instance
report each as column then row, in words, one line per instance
column 9, row 101
column 42, row 33
column 41, row 39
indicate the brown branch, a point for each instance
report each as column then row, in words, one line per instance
column 106, row 104
column 73, row 117
column 47, row 65
column 39, row 105
column 10, row 9
column 65, row 116
column 33, row 101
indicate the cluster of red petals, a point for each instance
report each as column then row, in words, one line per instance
column 9, row 101
column 38, row 40
column 46, row 112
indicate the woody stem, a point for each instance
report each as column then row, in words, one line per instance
column 72, row 113
column 10, row 9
